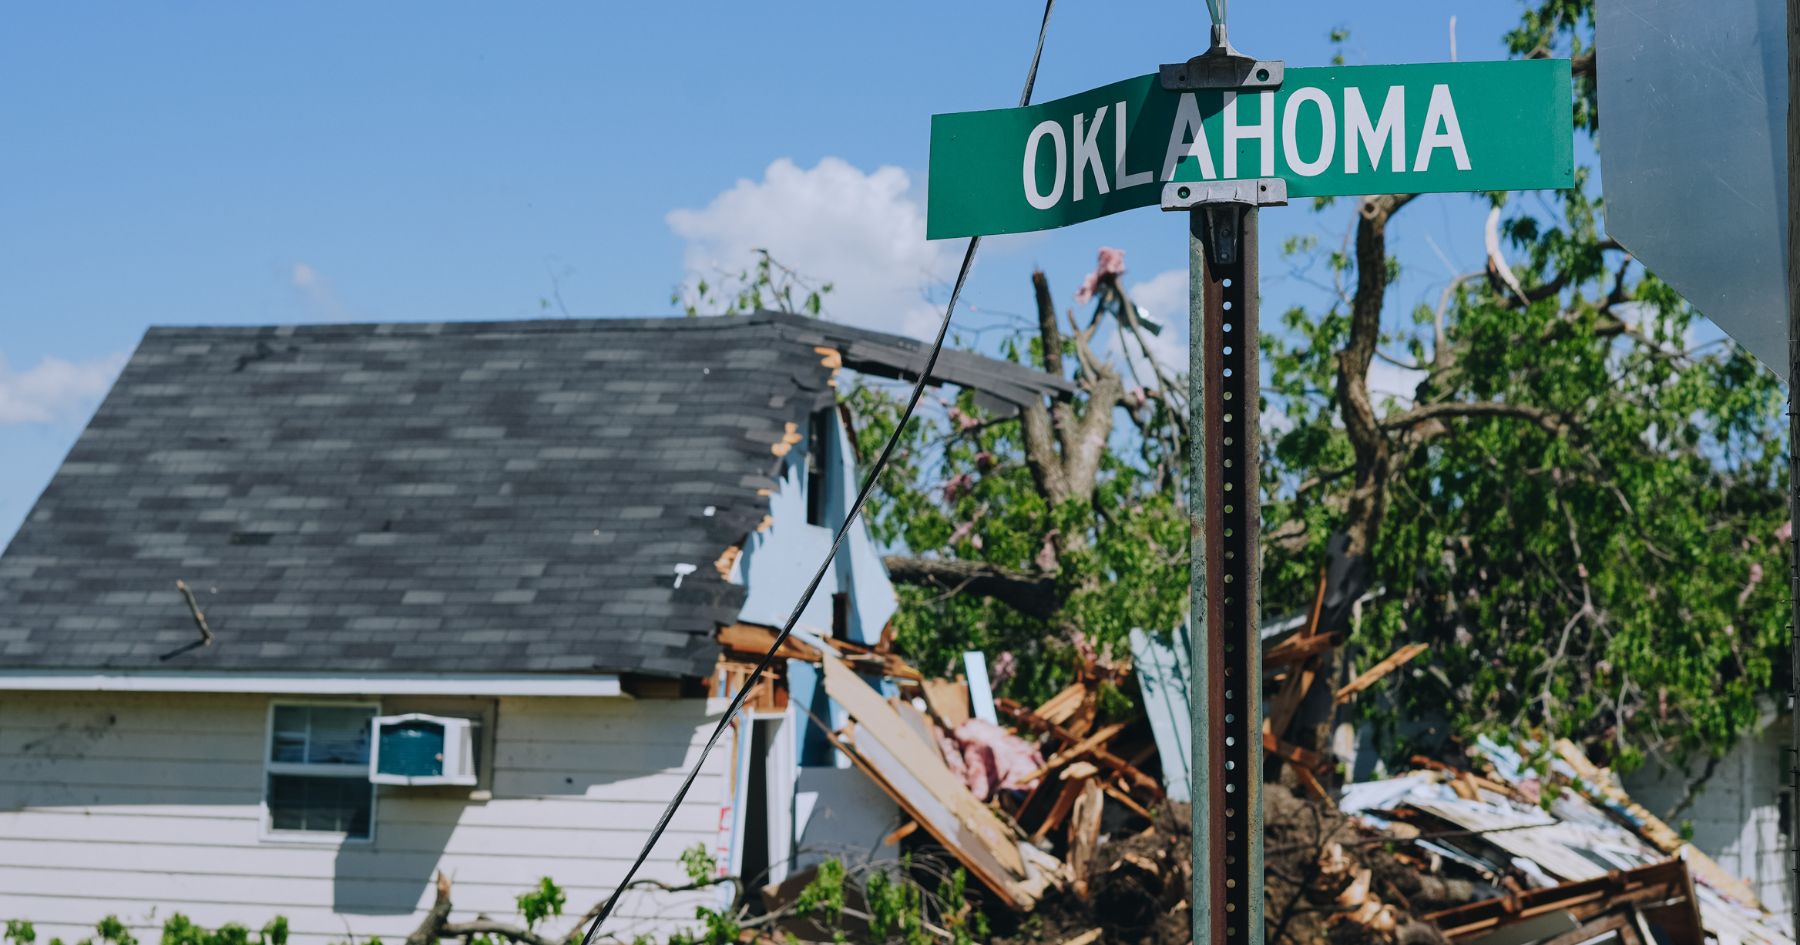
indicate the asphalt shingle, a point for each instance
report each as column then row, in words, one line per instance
column 479, row 497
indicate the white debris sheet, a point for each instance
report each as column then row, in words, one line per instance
column 1574, row 839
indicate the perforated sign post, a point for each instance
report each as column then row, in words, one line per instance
column 1218, row 137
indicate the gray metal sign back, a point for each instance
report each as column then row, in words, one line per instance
column 1693, row 160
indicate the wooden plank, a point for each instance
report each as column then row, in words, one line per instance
column 903, row 785
column 875, row 717
column 1375, row 673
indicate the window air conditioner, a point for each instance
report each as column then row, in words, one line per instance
column 422, row 749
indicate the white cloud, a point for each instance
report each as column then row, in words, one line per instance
column 318, row 294
column 1393, row 381
column 1164, row 299
column 862, row 232
column 55, row 391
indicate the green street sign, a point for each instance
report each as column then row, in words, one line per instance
column 1336, row 131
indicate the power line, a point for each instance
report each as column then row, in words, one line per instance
column 862, row 496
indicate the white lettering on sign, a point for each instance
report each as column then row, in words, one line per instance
column 1290, row 139
column 1442, row 130
column 1385, row 134
column 1263, row 131
column 1187, row 138
column 1054, row 130
column 1087, row 153
column 1123, row 178
column 1374, row 142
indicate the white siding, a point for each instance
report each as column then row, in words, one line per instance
column 141, row 805
column 1737, row 818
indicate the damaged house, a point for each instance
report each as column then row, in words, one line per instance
column 311, row 614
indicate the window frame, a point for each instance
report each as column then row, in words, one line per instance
column 267, row 831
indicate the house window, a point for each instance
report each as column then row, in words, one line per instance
column 318, row 771
column 815, row 467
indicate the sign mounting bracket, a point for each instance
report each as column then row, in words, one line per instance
column 1221, row 67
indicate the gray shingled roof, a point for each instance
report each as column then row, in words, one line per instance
column 476, row 497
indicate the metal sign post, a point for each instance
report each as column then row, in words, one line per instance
column 1225, row 511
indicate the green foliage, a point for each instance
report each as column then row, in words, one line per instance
column 178, row 929
column 767, row 284
column 19, row 932
column 1614, row 578
column 895, row 910
column 959, row 488
column 823, row 898
column 541, row 902
column 699, row 864
column 110, row 929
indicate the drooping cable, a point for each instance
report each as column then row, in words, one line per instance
column 812, row 586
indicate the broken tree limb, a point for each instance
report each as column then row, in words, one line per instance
column 206, row 634
column 1032, row 594
column 1374, row 673
column 428, row 931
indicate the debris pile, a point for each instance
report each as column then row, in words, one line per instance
column 1079, row 822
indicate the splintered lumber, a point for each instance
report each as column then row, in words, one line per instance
column 1310, row 781
column 1287, row 701
column 1652, row 827
column 900, row 833
column 1375, row 673
column 1293, row 754
column 753, row 640
column 1075, row 751
column 1100, row 755
column 949, row 701
column 1298, row 647
column 1123, row 798
column 1298, row 683
column 1084, row 833
column 1065, row 803
column 1663, row 892
column 1059, row 707
column 913, row 773
column 748, row 638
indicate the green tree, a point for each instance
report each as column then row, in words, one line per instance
column 1576, row 504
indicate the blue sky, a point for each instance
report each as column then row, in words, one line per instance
column 226, row 163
